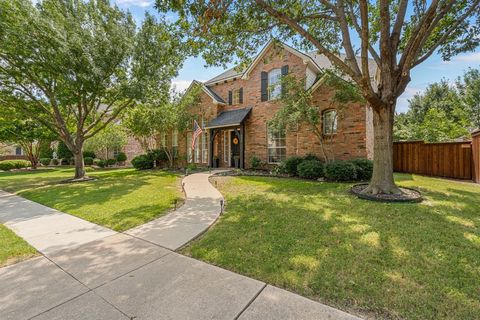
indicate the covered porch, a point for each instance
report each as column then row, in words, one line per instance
column 227, row 138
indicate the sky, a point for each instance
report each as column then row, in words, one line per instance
column 432, row 70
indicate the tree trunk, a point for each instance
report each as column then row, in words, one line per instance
column 382, row 178
column 79, row 164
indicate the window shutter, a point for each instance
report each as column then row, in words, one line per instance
column 230, row 97
column 240, row 95
column 284, row 73
column 264, row 86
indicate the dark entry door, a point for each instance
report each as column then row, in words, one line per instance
column 235, row 143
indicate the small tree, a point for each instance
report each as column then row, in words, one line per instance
column 25, row 132
column 298, row 107
column 79, row 64
column 469, row 89
column 113, row 137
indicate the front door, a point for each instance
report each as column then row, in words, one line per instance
column 235, row 147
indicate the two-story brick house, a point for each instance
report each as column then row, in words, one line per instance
column 235, row 108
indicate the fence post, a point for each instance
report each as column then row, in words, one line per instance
column 476, row 156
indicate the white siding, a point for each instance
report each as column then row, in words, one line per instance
column 310, row 78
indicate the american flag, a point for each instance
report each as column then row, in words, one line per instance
column 197, row 130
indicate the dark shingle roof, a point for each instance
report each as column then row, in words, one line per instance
column 214, row 94
column 229, row 118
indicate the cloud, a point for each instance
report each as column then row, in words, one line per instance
column 135, row 3
column 470, row 57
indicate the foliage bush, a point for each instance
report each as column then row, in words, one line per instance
column 121, row 157
column 157, row 155
column 340, row 171
column 45, row 151
column 99, row 162
column 279, row 169
column 88, row 161
column 64, row 162
column 89, row 154
column 191, row 167
column 291, row 165
column 7, row 165
column 142, row 162
column 45, row 161
column 111, row 162
column 310, row 169
column 63, row 152
column 55, row 162
column 256, row 162
column 364, row 168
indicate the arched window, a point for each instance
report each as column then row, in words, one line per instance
column 274, row 84
column 330, row 121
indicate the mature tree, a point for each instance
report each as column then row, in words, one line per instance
column 23, row 131
column 80, row 64
column 438, row 114
column 298, row 107
column 162, row 118
column 398, row 35
column 112, row 137
column 469, row 89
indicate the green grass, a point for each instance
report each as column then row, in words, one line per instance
column 119, row 199
column 13, row 248
column 387, row 261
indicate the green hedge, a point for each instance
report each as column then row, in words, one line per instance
column 340, row 171
column 364, row 168
column 121, row 157
column 111, row 162
column 14, row 164
column 45, row 161
column 142, row 162
column 291, row 165
column 310, row 169
column 88, row 161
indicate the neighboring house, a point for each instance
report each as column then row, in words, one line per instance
column 236, row 106
column 11, row 152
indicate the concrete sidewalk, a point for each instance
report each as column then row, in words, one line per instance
column 46, row 229
column 201, row 209
column 120, row 276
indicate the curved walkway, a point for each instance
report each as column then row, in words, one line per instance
column 200, row 210
column 133, row 276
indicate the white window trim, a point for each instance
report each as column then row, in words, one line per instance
column 175, row 138
column 274, row 86
column 277, row 147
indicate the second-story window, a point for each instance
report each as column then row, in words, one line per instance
column 236, row 96
column 274, row 84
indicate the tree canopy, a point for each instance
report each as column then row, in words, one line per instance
column 81, row 63
column 397, row 35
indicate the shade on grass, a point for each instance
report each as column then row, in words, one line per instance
column 413, row 261
column 119, row 199
column 13, row 248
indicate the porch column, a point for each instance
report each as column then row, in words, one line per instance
column 210, row 149
column 242, row 146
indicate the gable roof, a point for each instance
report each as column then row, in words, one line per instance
column 316, row 61
column 229, row 118
column 209, row 91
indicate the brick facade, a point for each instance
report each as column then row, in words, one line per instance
column 353, row 129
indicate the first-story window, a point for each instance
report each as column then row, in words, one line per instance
column 164, row 139
column 204, row 147
column 330, row 121
column 18, row 151
column 175, row 138
column 276, row 146
column 189, row 148
column 196, row 150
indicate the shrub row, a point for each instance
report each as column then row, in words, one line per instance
column 310, row 167
column 7, row 165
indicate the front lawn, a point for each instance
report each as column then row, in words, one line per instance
column 119, row 199
column 13, row 248
column 387, row 261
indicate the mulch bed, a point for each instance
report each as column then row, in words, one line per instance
column 407, row 195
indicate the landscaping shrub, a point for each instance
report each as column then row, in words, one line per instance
column 55, row 162
column 256, row 162
column 279, row 169
column 89, row 154
column 364, row 168
column 142, row 162
column 311, row 156
column 88, row 161
column 64, row 162
column 340, row 171
column 310, row 169
column 191, row 167
column 45, row 161
column 7, row 165
column 291, row 165
column 121, row 157
column 63, row 152
column 99, row 162
column 111, row 162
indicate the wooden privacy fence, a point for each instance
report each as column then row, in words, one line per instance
column 448, row 159
column 476, row 155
